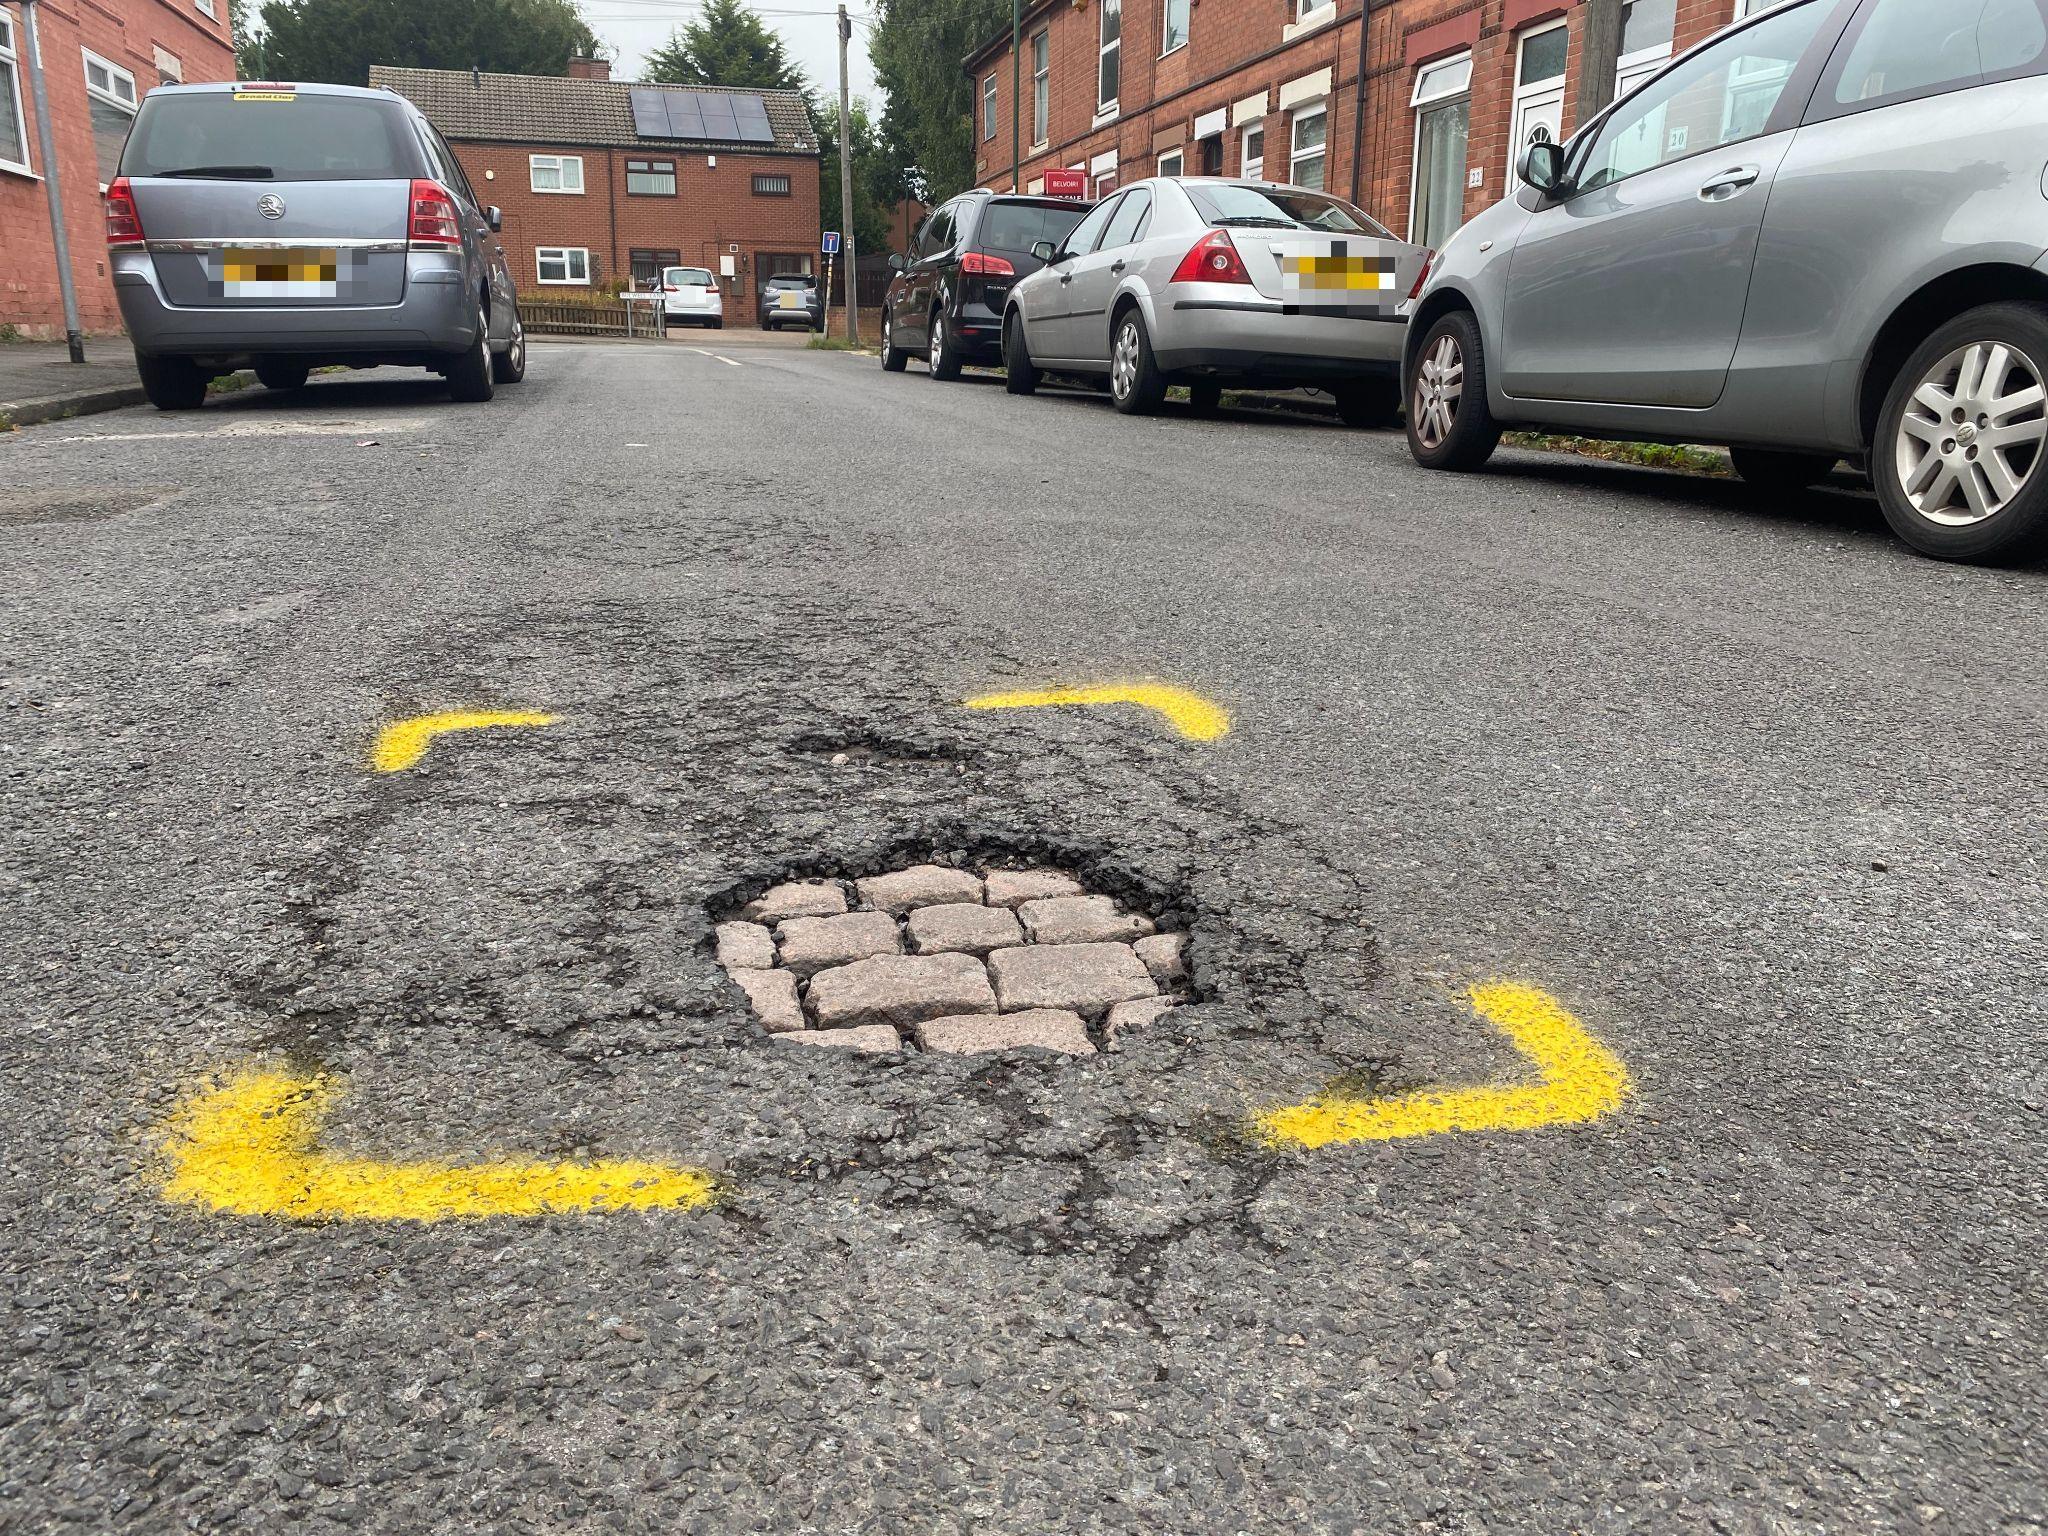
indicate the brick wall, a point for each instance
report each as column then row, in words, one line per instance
column 714, row 209
column 153, row 40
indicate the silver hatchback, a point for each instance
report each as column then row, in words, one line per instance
column 1822, row 234
column 1210, row 282
column 288, row 226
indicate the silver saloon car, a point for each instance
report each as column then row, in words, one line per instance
column 289, row 226
column 1820, row 235
column 1211, row 282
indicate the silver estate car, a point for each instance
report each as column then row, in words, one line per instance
column 1819, row 235
column 289, row 226
column 1211, row 282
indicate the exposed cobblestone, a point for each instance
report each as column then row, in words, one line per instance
column 797, row 898
column 1141, row 1013
column 745, row 947
column 1087, row 978
column 922, row 885
column 963, row 928
column 899, row 989
column 1165, row 956
column 1049, row 1029
column 1081, row 920
column 812, row 944
column 1014, row 887
column 773, row 994
column 869, row 1038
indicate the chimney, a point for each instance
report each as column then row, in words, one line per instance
column 590, row 69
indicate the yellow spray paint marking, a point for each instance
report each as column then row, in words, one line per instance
column 247, row 1149
column 1193, row 716
column 1580, row 1080
column 404, row 742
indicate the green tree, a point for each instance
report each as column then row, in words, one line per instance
column 877, row 177
column 916, row 47
column 338, row 40
column 727, row 45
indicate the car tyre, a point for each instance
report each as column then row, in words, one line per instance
column 1136, row 385
column 1205, row 397
column 942, row 357
column 172, row 383
column 469, row 376
column 893, row 357
column 1369, row 403
column 718, row 324
column 276, row 375
column 1450, row 421
column 1020, row 374
column 1975, row 488
column 509, row 366
column 1768, row 469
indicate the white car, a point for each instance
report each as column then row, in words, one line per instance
column 690, row 296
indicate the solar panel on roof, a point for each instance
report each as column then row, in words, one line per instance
column 751, row 113
column 650, row 112
column 686, row 119
column 719, row 121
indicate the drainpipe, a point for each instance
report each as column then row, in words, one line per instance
column 1016, row 98
column 1358, row 111
column 53, row 192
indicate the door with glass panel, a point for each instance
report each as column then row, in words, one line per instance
column 1443, row 126
column 1539, row 94
column 1630, row 288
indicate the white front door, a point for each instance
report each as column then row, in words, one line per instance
column 1539, row 119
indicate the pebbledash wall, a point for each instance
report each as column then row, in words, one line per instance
column 100, row 57
column 1122, row 89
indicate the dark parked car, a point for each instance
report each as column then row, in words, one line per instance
column 946, row 300
column 792, row 298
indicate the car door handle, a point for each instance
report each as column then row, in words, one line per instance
column 1730, row 182
column 1066, row 278
column 1116, row 266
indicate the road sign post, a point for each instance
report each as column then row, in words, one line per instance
column 830, row 246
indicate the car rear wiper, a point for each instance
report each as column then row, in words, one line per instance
column 223, row 172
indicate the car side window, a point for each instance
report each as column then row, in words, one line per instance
column 1127, row 227
column 1082, row 239
column 1719, row 96
column 938, row 234
column 1902, row 49
column 460, row 178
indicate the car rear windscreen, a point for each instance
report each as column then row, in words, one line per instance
column 293, row 136
column 1235, row 205
column 793, row 280
column 687, row 277
column 1016, row 227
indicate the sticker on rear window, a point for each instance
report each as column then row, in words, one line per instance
column 266, row 95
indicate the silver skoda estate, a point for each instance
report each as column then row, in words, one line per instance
column 288, row 226
column 1819, row 235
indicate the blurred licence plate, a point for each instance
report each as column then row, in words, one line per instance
column 791, row 299
column 1347, row 275
column 298, row 273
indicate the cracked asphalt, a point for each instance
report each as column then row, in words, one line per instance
column 1754, row 792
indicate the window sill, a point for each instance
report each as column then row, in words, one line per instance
column 556, row 191
column 562, row 282
column 1176, row 48
column 18, row 170
column 1104, row 116
column 1321, row 17
column 1037, row 149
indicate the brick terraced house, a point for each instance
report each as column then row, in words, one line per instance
column 603, row 182
column 100, row 57
column 1120, row 89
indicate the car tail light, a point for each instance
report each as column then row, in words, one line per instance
column 433, row 216
column 1428, row 263
column 974, row 264
column 670, row 288
column 1214, row 259
column 264, row 85
column 124, row 221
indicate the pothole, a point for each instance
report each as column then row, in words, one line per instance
column 953, row 960
column 20, row 506
column 883, row 752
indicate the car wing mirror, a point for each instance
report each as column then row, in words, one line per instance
column 494, row 218
column 1044, row 251
column 1542, row 167
column 896, row 262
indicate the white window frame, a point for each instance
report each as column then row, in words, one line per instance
column 1104, row 105
column 1187, row 25
column 1421, row 102
column 1308, row 16
column 1041, row 88
column 1249, row 167
column 1178, row 155
column 111, row 94
column 205, row 8
column 560, row 164
column 561, row 253
column 9, row 66
column 1751, row 7
column 1552, row 85
column 988, row 109
column 1295, row 154
column 1632, row 69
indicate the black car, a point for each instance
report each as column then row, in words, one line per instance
column 792, row 298
column 945, row 302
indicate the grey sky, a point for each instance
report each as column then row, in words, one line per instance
column 635, row 28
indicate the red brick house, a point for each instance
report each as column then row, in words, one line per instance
column 1127, row 88
column 100, row 57
column 597, row 192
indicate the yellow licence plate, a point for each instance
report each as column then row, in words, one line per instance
column 1367, row 274
column 791, row 299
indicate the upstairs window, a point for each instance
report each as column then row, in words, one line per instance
column 555, row 173
column 1041, row 88
column 651, row 178
column 1110, row 40
column 110, row 97
column 13, row 121
column 988, row 107
column 771, row 186
column 1175, row 28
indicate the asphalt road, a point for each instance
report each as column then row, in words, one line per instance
column 1752, row 791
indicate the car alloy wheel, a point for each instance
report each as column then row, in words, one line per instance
column 1123, row 360
column 1439, row 383
column 1973, row 433
column 518, row 348
column 938, row 350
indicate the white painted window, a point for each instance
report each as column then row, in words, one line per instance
column 1041, row 87
column 562, row 265
column 1109, row 38
column 204, row 7
column 1306, row 154
column 988, row 107
column 1175, row 31
column 1646, row 31
column 1539, row 93
column 1307, row 8
column 1443, row 126
column 555, row 173
column 1251, row 152
column 1751, row 7
column 1171, row 162
column 13, row 120
column 110, row 98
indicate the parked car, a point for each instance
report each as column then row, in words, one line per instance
column 1819, row 235
column 792, row 298
column 945, row 301
column 1210, row 282
column 284, row 227
column 690, row 296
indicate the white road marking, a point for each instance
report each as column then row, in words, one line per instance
column 725, row 360
column 250, row 429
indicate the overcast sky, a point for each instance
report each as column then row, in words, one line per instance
column 634, row 28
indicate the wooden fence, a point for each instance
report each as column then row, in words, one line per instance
column 580, row 317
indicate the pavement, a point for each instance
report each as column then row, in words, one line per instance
column 39, row 382
column 1569, row 773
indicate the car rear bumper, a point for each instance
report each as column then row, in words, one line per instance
column 435, row 318
column 1257, row 338
column 978, row 330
